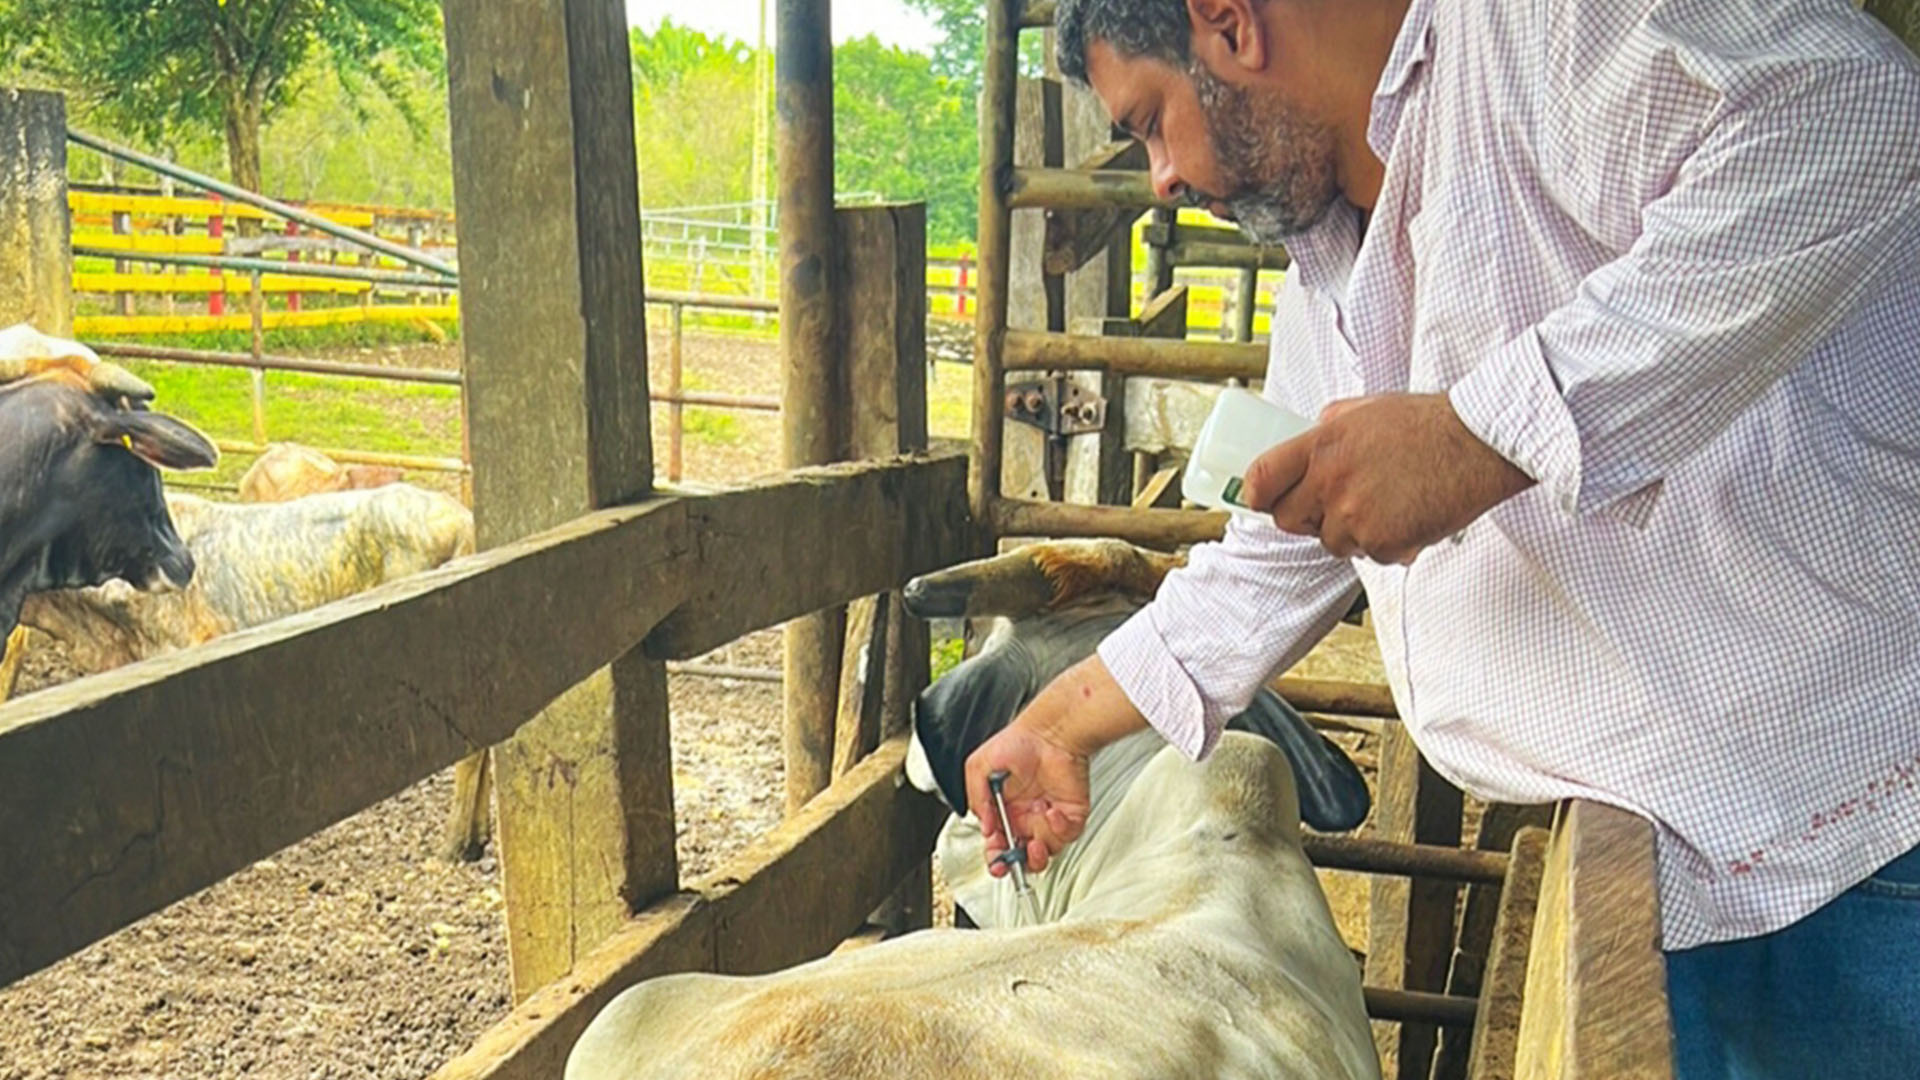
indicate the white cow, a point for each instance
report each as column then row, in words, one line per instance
column 1184, row 935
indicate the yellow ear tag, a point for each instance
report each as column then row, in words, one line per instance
column 127, row 441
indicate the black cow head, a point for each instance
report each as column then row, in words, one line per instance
column 80, row 496
column 1025, row 652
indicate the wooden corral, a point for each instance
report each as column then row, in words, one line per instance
column 149, row 783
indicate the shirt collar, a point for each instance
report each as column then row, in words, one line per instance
column 1410, row 50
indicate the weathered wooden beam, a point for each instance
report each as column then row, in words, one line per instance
column 158, row 779
column 1027, row 350
column 1335, row 696
column 886, row 522
column 554, row 328
column 1500, row 824
column 793, row 895
column 1036, row 13
column 1080, row 189
column 1074, row 236
column 1596, row 992
column 1162, row 529
column 1410, row 922
column 36, row 262
column 813, row 421
column 1405, row 860
column 1496, row 1028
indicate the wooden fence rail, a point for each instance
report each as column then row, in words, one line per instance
column 153, row 781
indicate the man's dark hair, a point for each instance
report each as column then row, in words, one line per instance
column 1159, row 29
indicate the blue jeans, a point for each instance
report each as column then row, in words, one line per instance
column 1836, row 995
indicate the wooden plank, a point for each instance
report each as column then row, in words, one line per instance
column 1410, row 922
column 791, row 896
column 1496, row 1027
column 1596, row 992
column 120, row 325
column 554, row 329
column 150, row 243
column 158, row 779
column 532, row 1042
column 853, row 845
column 36, row 260
column 169, row 206
column 155, row 780
column 856, row 727
column 913, row 523
column 204, row 283
column 1500, row 824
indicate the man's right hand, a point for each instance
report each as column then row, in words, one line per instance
column 1045, row 753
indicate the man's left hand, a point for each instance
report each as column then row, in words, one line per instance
column 1382, row 477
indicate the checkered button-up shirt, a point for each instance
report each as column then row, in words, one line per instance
column 1662, row 255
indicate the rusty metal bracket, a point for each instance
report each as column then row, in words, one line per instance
column 1056, row 405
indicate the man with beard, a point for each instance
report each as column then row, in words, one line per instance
column 1610, row 314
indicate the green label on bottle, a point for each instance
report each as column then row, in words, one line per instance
column 1231, row 493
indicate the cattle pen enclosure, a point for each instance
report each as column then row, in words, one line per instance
column 134, row 789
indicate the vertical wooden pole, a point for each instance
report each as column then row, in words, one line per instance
column 1410, row 922
column 1245, row 304
column 999, row 86
column 36, row 262
column 217, row 230
column 123, row 226
column 812, row 418
column 554, row 328
column 676, row 411
column 883, row 313
column 256, row 322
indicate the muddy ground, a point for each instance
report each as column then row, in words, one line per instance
column 358, row 952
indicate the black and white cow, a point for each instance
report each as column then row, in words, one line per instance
column 1184, row 935
column 80, row 497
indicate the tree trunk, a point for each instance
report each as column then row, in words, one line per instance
column 244, row 112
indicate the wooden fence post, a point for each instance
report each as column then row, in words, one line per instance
column 554, row 328
column 1410, row 922
column 36, row 276
column 883, row 313
column 812, row 415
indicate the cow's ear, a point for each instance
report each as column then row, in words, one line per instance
column 159, row 440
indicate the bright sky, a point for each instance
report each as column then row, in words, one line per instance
column 891, row 20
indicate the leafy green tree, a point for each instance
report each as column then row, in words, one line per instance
column 156, row 68
column 906, row 132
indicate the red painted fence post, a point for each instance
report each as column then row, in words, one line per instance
column 216, row 230
column 293, row 256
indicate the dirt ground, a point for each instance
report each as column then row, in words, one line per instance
column 358, row 952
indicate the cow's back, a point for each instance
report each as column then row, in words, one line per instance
column 259, row 563
column 1208, row 952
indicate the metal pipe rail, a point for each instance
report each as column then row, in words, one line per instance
column 1173, row 358
column 239, row 194
column 1162, row 529
column 273, row 266
column 1081, row 189
column 266, row 362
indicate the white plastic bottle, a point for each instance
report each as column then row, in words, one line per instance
column 1242, row 426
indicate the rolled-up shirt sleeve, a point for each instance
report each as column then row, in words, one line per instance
column 1240, row 610
column 1796, row 202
